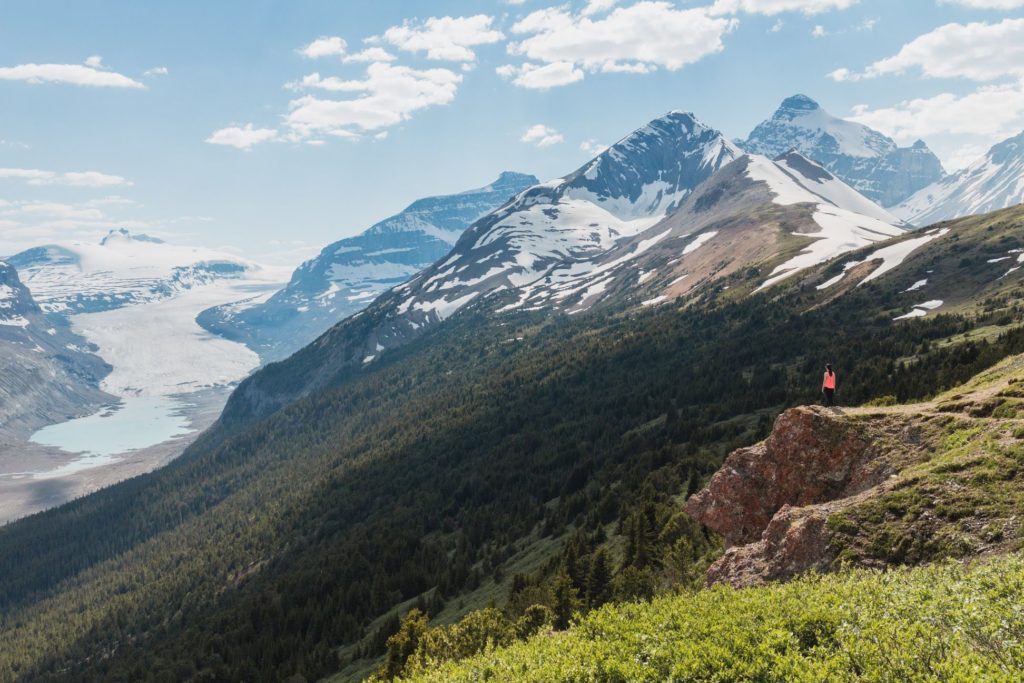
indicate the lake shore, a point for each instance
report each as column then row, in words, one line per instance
column 24, row 492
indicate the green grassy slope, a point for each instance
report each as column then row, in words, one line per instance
column 945, row 622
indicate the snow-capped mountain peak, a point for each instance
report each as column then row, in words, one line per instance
column 648, row 172
column 865, row 159
column 712, row 235
column 995, row 181
column 801, row 123
column 622, row 191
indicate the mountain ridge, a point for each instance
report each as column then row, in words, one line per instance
column 349, row 273
column 870, row 162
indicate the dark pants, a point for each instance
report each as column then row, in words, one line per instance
column 830, row 396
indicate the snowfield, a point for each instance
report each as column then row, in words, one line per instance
column 842, row 229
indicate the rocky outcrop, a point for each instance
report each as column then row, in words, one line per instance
column 770, row 501
column 794, row 542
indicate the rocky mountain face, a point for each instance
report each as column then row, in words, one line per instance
column 351, row 273
column 994, row 181
column 572, row 220
column 123, row 269
column 47, row 369
column 746, row 214
column 865, row 159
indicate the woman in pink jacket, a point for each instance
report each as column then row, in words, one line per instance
column 828, row 386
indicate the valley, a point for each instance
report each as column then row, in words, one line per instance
column 167, row 380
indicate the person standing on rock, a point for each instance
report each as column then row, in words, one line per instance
column 828, row 386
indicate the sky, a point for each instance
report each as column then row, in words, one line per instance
column 270, row 129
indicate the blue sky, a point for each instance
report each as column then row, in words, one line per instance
column 273, row 128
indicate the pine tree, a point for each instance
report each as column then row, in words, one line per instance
column 599, row 579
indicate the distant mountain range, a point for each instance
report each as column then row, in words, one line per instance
column 601, row 213
column 350, row 273
column 865, row 159
column 995, row 181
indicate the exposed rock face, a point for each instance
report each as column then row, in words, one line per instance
column 809, row 458
column 757, row 500
column 795, row 541
column 47, row 372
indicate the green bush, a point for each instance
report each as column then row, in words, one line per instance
column 944, row 622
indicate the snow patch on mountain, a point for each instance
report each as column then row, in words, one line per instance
column 891, row 256
column 842, row 229
column 921, row 310
column 699, row 241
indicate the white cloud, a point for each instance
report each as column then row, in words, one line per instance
column 92, row 179
column 445, row 38
column 985, row 4
column 598, row 7
column 542, row 136
column 777, row 26
column 95, row 62
column 370, row 54
column 325, row 46
column 59, row 210
column 73, row 74
column 28, row 223
column 592, row 147
column 978, row 119
column 241, row 137
column 387, row 96
column 819, row 31
column 73, row 179
column 637, row 39
column 156, row 71
column 541, row 77
column 332, row 83
column 771, row 7
column 977, row 51
column 842, row 74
